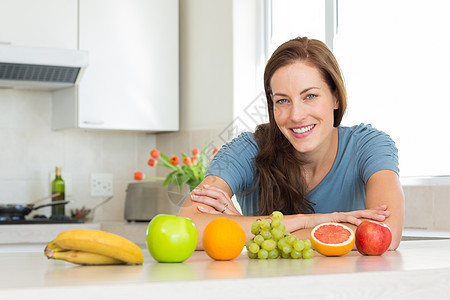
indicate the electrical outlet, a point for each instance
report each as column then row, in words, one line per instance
column 101, row 185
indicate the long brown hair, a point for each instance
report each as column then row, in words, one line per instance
column 282, row 185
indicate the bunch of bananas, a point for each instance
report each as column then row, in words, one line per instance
column 93, row 247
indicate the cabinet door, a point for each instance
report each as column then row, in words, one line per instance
column 43, row 23
column 132, row 79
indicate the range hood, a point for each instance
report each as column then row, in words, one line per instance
column 35, row 68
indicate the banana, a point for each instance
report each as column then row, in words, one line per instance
column 54, row 247
column 81, row 257
column 99, row 242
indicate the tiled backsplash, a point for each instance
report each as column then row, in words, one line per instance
column 427, row 207
column 30, row 150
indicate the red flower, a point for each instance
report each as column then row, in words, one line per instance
column 215, row 150
column 194, row 160
column 155, row 154
column 139, row 175
column 152, row 162
column 174, row 160
column 187, row 161
column 196, row 152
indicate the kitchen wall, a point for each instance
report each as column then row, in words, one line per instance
column 220, row 95
column 30, row 150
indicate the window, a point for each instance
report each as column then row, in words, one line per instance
column 293, row 18
column 394, row 56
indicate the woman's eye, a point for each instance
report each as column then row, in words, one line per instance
column 311, row 96
column 281, row 101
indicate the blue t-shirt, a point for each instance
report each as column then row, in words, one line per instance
column 362, row 151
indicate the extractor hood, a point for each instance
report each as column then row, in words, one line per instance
column 36, row 68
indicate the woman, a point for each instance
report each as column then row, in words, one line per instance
column 303, row 163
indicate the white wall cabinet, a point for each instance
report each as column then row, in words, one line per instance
column 43, row 23
column 132, row 80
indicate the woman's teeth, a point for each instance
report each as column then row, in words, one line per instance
column 303, row 129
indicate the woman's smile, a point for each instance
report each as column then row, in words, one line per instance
column 303, row 131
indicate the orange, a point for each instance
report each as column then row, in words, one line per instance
column 332, row 239
column 223, row 239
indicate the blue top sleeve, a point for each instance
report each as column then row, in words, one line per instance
column 235, row 163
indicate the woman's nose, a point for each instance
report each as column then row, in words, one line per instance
column 298, row 111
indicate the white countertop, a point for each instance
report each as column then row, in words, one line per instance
column 418, row 270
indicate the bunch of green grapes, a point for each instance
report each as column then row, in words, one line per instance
column 271, row 241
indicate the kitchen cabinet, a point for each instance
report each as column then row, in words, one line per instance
column 132, row 80
column 43, row 23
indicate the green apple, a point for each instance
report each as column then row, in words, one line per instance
column 171, row 238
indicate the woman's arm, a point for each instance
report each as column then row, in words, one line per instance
column 384, row 187
column 205, row 204
column 383, row 190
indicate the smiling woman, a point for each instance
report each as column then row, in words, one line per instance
column 303, row 162
column 306, row 99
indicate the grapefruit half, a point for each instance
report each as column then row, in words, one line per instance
column 332, row 239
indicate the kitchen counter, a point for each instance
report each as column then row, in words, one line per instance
column 42, row 233
column 419, row 269
column 37, row 233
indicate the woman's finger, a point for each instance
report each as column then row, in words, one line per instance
column 381, row 207
column 214, row 203
column 208, row 210
column 219, row 205
column 212, row 197
column 351, row 220
column 215, row 192
column 214, row 188
column 226, row 210
column 375, row 215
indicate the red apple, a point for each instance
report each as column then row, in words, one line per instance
column 372, row 238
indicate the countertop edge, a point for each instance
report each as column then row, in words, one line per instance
column 414, row 284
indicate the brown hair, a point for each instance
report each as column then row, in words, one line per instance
column 280, row 175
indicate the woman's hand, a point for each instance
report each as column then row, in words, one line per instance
column 216, row 200
column 379, row 213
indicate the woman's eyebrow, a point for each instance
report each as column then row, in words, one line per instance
column 301, row 93
column 279, row 94
column 308, row 89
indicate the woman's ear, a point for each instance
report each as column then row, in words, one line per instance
column 336, row 101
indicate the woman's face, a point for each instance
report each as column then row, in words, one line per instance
column 303, row 106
